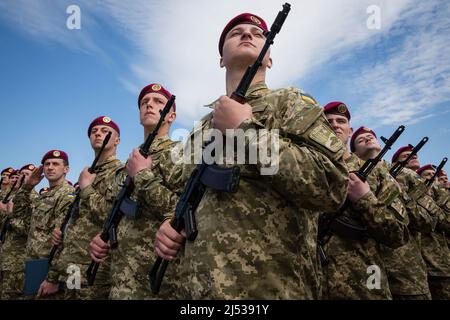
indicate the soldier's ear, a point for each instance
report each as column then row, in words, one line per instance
column 221, row 62
column 117, row 141
column 171, row 117
column 66, row 169
column 269, row 63
column 351, row 131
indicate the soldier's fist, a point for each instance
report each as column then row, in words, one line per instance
column 229, row 114
column 98, row 249
column 86, row 178
column 56, row 237
column 136, row 162
column 168, row 242
column 356, row 188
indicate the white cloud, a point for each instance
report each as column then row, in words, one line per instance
column 175, row 43
column 406, row 85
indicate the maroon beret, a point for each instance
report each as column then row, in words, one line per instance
column 442, row 173
column 400, row 151
column 8, row 170
column 28, row 167
column 14, row 173
column 157, row 88
column 103, row 121
column 337, row 107
column 425, row 167
column 360, row 130
column 55, row 154
column 243, row 18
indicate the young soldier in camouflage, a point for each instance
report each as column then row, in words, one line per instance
column 98, row 191
column 434, row 245
column 260, row 242
column 135, row 255
column 4, row 188
column 373, row 216
column 47, row 210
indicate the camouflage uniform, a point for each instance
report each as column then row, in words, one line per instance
column 353, row 256
column 13, row 250
column 96, row 202
column 260, row 242
column 135, row 254
column 407, row 270
column 437, row 250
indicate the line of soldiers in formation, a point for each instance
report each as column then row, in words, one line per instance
column 389, row 241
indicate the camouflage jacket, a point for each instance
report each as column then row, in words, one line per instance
column 13, row 250
column 47, row 213
column 406, row 269
column 260, row 242
column 351, row 261
column 95, row 204
column 135, row 255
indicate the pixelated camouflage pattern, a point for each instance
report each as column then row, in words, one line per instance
column 260, row 242
column 346, row 275
column 96, row 202
column 47, row 213
column 135, row 255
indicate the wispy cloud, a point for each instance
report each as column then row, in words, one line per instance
column 175, row 43
column 413, row 78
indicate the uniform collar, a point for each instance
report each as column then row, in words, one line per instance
column 255, row 91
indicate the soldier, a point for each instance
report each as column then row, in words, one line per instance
column 443, row 180
column 351, row 238
column 434, row 245
column 48, row 210
column 135, row 254
column 5, row 181
column 98, row 191
column 260, row 242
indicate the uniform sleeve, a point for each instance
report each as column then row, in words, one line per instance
column 154, row 195
column 382, row 220
column 21, row 214
column 308, row 165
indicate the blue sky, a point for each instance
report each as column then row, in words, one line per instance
column 54, row 81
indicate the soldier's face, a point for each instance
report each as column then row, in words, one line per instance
column 98, row 134
column 151, row 105
column 366, row 142
column 413, row 163
column 427, row 174
column 26, row 173
column 443, row 181
column 13, row 179
column 341, row 126
column 242, row 46
column 5, row 178
column 55, row 169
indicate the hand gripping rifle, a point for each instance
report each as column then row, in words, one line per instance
column 73, row 208
column 430, row 181
column 109, row 232
column 6, row 224
column 225, row 179
column 325, row 220
column 399, row 165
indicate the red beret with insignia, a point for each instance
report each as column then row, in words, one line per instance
column 360, row 130
column 157, row 88
column 425, row 167
column 337, row 107
column 55, row 154
column 8, row 170
column 28, row 167
column 243, row 18
column 400, row 151
column 103, row 121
